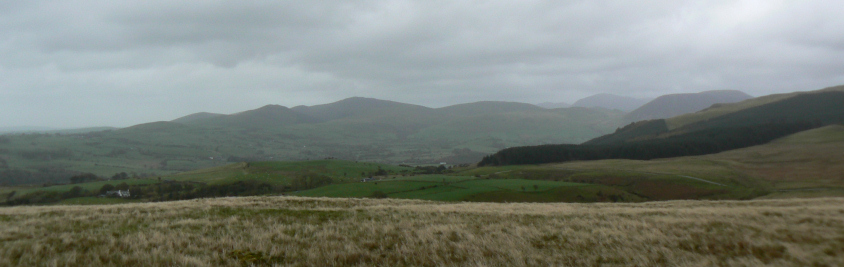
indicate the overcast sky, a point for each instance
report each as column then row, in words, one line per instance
column 120, row 63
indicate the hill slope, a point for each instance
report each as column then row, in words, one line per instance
column 677, row 104
column 653, row 139
column 807, row 163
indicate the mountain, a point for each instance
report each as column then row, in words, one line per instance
column 753, row 125
column 677, row 104
column 610, row 101
column 551, row 105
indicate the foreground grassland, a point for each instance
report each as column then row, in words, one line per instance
column 297, row 231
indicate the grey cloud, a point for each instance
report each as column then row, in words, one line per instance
column 223, row 56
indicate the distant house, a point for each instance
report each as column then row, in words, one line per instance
column 118, row 193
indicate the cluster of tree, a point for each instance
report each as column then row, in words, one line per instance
column 696, row 143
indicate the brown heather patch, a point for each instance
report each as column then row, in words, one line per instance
column 294, row 231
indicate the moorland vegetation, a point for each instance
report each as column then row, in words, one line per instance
column 296, row 231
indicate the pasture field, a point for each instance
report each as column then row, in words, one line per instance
column 300, row 231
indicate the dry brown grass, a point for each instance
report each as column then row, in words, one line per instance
column 298, row 231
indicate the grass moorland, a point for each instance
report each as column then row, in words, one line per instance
column 297, row 231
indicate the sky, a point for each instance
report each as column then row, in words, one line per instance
column 69, row 64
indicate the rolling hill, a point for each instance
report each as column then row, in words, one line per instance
column 360, row 129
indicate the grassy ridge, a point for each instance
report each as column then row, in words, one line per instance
column 295, row 231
